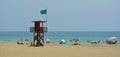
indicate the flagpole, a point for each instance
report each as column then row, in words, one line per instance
column 46, row 19
column 44, row 12
column 46, row 15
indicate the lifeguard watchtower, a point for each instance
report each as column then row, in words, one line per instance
column 38, row 31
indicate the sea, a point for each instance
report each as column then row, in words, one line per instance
column 58, row 35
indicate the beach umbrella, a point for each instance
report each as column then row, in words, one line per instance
column 112, row 38
column 94, row 41
column 62, row 41
column 75, row 39
column 47, row 39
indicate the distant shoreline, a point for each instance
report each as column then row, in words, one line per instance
column 63, row 31
column 58, row 35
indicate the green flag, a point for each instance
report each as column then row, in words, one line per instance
column 43, row 11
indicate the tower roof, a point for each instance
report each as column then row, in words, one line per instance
column 39, row 21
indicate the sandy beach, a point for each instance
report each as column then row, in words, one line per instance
column 11, row 49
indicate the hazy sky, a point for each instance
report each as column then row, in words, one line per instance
column 63, row 15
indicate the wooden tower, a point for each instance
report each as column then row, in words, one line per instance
column 38, row 31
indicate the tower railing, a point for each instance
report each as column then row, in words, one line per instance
column 38, row 29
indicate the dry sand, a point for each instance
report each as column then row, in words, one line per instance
column 11, row 49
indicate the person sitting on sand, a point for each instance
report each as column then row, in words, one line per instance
column 20, row 42
column 76, row 43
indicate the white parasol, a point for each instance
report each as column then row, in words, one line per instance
column 112, row 38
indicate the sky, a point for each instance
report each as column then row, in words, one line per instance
column 63, row 15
